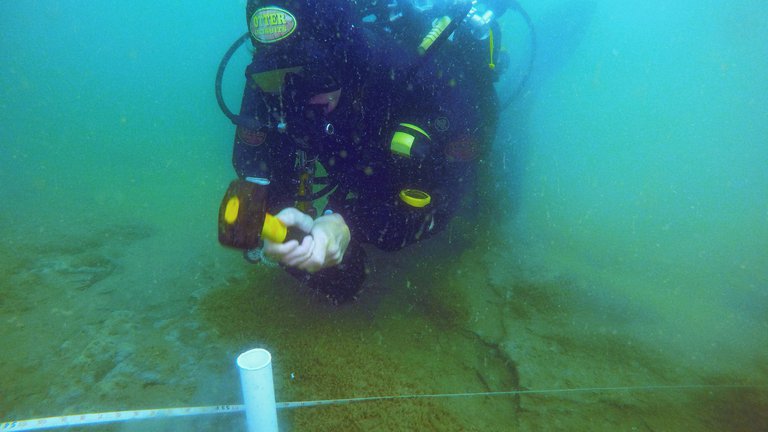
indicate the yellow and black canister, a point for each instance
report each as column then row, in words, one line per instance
column 243, row 217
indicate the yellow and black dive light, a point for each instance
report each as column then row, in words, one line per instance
column 438, row 28
column 244, row 221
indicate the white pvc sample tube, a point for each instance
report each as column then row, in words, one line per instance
column 258, row 390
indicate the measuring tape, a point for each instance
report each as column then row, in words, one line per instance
column 122, row 416
column 115, row 416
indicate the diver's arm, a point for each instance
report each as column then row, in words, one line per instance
column 249, row 150
column 263, row 153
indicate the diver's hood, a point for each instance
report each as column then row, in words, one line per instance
column 309, row 33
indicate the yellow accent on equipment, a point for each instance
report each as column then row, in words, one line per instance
column 243, row 217
column 274, row 230
column 401, row 143
column 415, row 197
column 416, row 128
column 404, row 139
column 490, row 39
column 233, row 207
column 437, row 29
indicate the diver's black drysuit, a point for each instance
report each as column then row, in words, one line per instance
column 402, row 123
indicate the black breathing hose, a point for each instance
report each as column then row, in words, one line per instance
column 238, row 120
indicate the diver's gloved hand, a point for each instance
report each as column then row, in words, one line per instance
column 324, row 246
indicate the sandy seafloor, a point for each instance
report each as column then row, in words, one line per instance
column 115, row 295
column 134, row 315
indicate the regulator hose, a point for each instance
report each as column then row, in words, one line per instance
column 238, row 120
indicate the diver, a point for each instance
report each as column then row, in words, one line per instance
column 389, row 111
